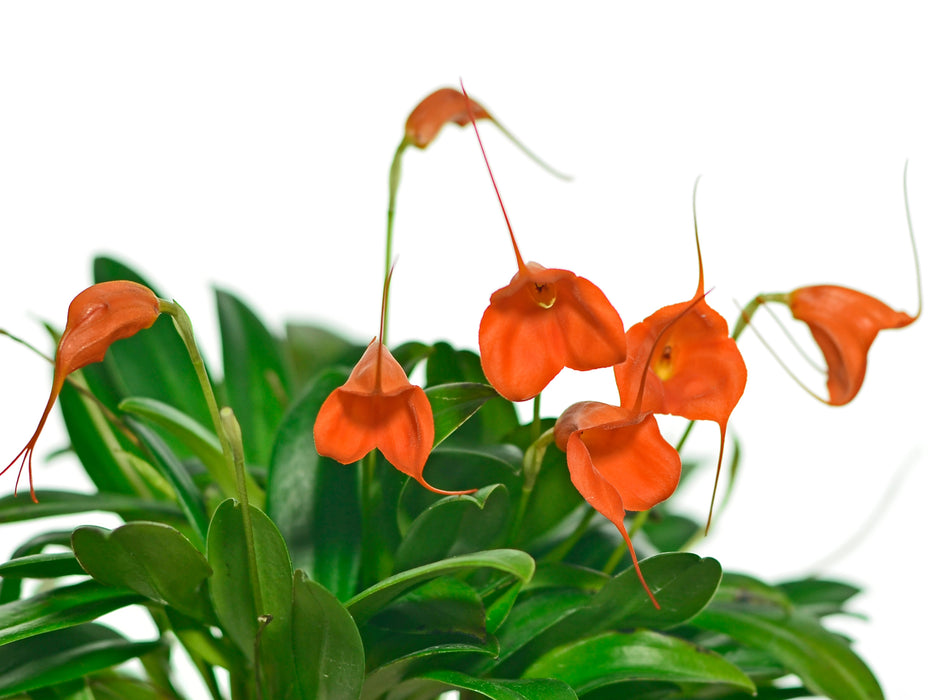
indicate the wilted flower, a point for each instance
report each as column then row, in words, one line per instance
column 97, row 317
column 441, row 107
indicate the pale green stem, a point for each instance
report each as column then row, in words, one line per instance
column 395, row 175
column 622, row 549
column 531, row 467
column 561, row 551
column 234, row 437
column 226, row 481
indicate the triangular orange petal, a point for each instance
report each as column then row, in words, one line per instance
column 377, row 365
column 844, row 323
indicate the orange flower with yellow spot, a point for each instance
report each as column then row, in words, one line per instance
column 694, row 368
column 98, row 317
column 544, row 320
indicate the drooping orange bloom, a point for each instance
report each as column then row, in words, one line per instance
column 544, row 320
column 844, row 324
column 378, row 408
column 695, row 369
column 443, row 106
column 618, row 461
column 97, row 317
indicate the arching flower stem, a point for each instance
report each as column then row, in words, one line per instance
column 226, row 480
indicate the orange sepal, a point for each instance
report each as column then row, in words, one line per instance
column 844, row 324
column 97, row 317
column 618, row 461
column 436, row 110
column 544, row 320
column 378, row 408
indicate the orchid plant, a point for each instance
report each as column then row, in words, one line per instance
column 312, row 524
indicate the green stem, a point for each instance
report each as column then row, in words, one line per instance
column 234, row 438
column 745, row 316
column 563, row 549
column 531, row 467
column 622, row 549
column 395, row 176
column 226, row 481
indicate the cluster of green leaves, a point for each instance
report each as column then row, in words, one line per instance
column 366, row 584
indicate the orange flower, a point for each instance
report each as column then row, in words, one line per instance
column 97, row 317
column 696, row 369
column 436, row 110
column 844, row 324
column 378, row 408
column 544, row 320
column 618, row 461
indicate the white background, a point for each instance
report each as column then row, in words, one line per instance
column 247, row 145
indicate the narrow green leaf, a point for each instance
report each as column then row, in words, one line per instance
column 314, row 500
column 97, row 445
column 823, row 660
column 168, row 465
column 682, row 582
column 60, row 608
column 443, row 605
column 502, row 689
column 153, row 559
column 453, row 404
column 327, row 648
column 255, row 381
column 310, row 349
column 200, row 441
column 367, row 603
column 63, row 655
column 53, row 503
column 455, row 525
column 51, row 565
column 611, row 657
column 11, row 588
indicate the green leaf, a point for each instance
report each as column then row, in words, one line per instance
column 443, row 605
column 314, row 500
column 645, row 655
column 60, row 608
column 455, row 525
column 63, row 655
column 97, row 445
column 682, row 582
column 12, row 588
column 42, row 566
column 153, row 559
column 501, row 689
column 255, row 381
column 366, row 604
column 168, row 465
column 154, row 362
column 255, row 614
column 819, row 597
column 53, row 503
column 823, row 660
column 327, row 648
column 495, row 419
column 311, row 349
column 453, row 404
column 199, row 441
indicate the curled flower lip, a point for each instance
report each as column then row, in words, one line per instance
column 544, row 320
column 844, row 323
column 378, row 408
column 97, row 318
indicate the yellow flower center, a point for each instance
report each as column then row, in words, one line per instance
column 663, row 367
column 544, row 294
